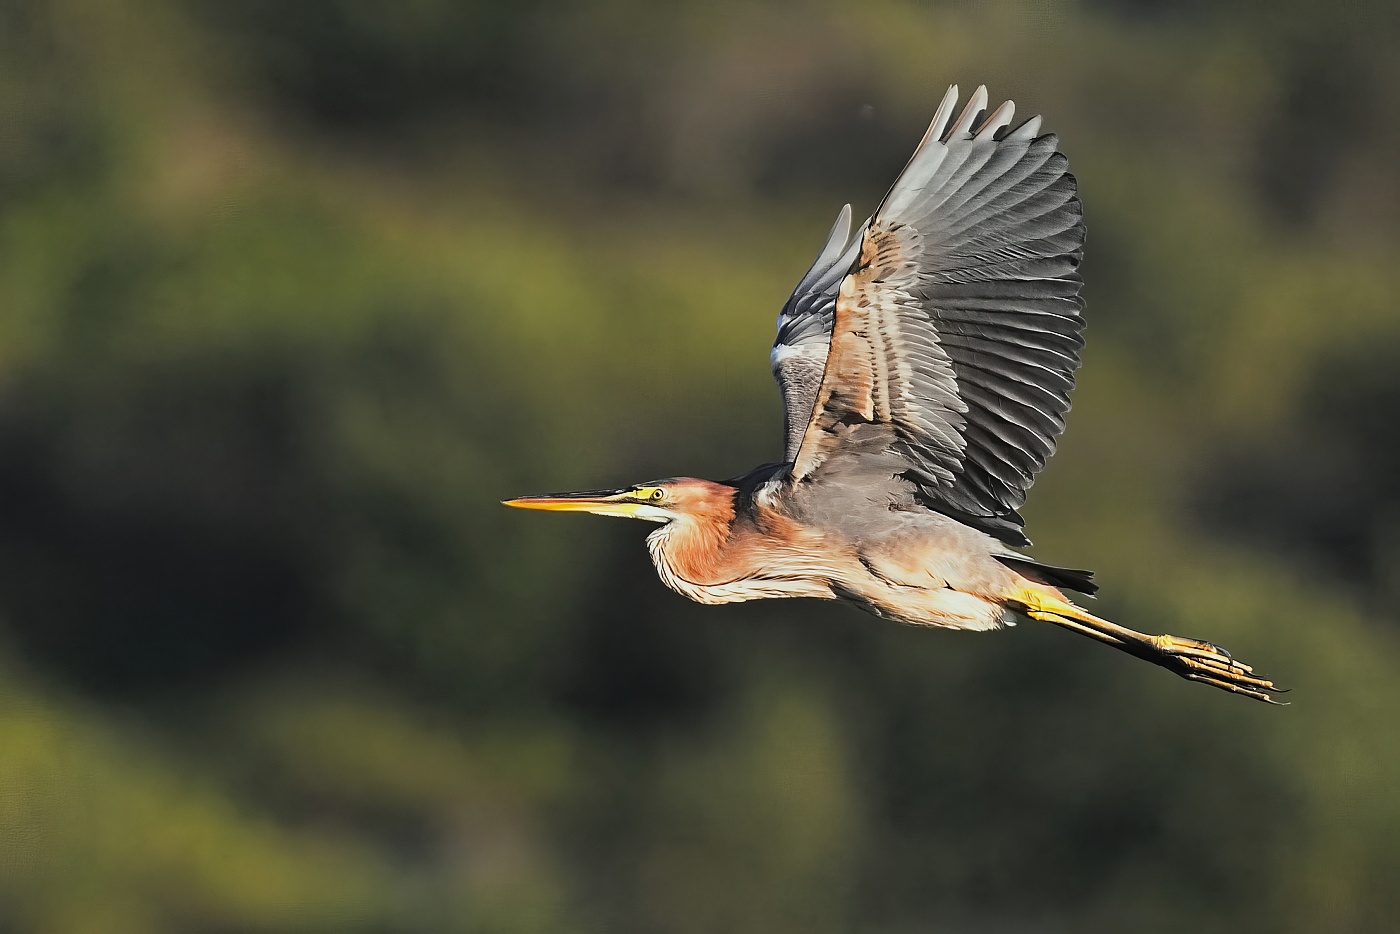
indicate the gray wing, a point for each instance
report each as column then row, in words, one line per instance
column 804, row 331
column 956, row 334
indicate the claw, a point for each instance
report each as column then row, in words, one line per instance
column 1218, row 648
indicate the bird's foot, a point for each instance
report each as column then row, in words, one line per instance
column 1192, row 659
column 1208, row 663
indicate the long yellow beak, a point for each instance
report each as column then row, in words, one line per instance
column 610, row 503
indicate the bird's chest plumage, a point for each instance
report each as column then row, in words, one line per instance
column 734, row 565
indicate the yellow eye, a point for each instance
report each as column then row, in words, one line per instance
column 657, row 495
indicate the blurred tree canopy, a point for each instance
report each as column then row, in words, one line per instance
column 292, row 294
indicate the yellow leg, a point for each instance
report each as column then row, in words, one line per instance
column 1192, row 659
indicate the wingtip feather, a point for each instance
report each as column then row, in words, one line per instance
column 995, row 121
column 836, row 240
column 940, row 116
column 1026, row 131
column 975, row 105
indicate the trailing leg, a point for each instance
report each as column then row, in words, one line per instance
column 1192, row 659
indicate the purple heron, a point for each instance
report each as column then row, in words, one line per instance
column 925, row 366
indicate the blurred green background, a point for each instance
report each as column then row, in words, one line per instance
column 291, row 294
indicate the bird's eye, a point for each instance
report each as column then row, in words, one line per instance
column 657, row 495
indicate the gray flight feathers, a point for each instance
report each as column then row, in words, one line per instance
column 963, row 326
column 799, row 353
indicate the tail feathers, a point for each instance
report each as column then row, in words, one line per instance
column 1068, row 578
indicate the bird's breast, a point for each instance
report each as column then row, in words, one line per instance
column 742, row 564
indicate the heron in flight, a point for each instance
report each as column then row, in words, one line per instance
column 925, row 366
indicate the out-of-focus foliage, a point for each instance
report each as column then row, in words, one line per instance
column 292, row 294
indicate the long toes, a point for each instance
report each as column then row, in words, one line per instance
column 1208, row 663
column 1231, row 674
column 1233, row 688
column 1226, row 674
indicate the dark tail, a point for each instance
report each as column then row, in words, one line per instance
column 1066, row 578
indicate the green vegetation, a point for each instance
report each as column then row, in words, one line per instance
column 292, row 295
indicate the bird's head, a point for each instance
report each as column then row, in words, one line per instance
column 657, row 501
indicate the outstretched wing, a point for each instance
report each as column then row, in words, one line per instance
column 804, row 331
column 956, row 334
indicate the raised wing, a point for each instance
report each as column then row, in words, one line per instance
column 804, row 331
column 956, row 334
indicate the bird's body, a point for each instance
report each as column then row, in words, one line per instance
column 925, row 366
column 768, row 537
